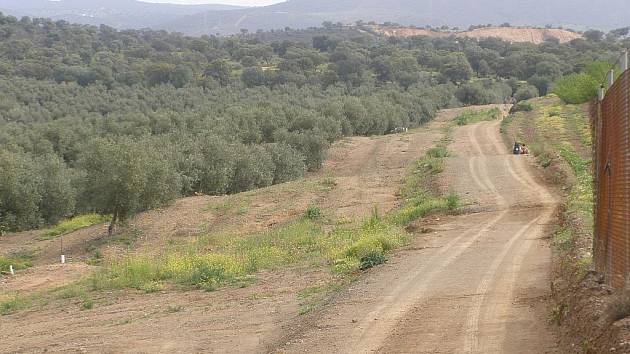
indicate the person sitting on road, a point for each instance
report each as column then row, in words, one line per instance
column 524, row 150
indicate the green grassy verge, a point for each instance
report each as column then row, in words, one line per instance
column 70, row 225
column 471, row 116
column 235, row 259
column 559, row 134
column 19, row 261
column 419, row 198
column 14, row 304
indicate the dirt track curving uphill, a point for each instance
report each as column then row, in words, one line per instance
column 475, row 285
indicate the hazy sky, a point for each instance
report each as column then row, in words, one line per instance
column 225, row 2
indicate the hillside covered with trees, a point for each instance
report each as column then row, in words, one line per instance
column 93, row 119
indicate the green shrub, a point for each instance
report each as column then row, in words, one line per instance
column 452, row 201
column 522, row 107
column 313, row 213
column 576, row 88
column 582, row 87
column 87, row 304
column 438, row 152
column 526, row 92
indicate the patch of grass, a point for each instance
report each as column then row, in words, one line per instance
column 558, row 313
column 418, row 201
column 522, row 106
column 70, row 225
column 563, row 239
column 310, row 292
column 306, row 309
column 312, row 213
column 127, row 237
column 12, row 305
column 452, row 201
column 471, row 117
column 152, row 287
column 237, row 258
column 19, row 260
column 312, row 296
column 87, row 304
column 328, row 183
column 71, row 291
column 237, row 205
column 174, row 309
column 505, row 123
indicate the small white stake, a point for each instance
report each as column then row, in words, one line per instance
column 12, row 270
column 63, row 259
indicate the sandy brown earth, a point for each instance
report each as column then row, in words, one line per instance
column 478, row 284
column 508, row 34
column 360, row 173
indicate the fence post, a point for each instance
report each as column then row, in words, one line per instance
column 600, row 93
column 624, row 61
column 611, row 78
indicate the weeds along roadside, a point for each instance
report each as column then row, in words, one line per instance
column 216, row 260
column 560, row 137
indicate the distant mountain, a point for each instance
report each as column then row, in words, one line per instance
column 115, row 13
column 579, row 14
column 211, row 19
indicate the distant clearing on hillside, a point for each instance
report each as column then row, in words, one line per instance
column 509, row 34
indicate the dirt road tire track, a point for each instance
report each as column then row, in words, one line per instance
column 473, row 287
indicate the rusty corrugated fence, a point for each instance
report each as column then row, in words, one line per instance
column 612, row 183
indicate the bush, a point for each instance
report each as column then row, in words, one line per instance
column 124, row 177
column 34, row 190
column 483, row 92
column 253, row 168
column 312, row 213
column 522, row 107
column 576, row 88
column 288, row 163
column 525, row 92
column 452, row 201
column 582, row 87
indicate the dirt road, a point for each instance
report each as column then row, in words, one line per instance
column 475, row 285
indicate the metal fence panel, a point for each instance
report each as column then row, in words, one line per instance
column 612, row 179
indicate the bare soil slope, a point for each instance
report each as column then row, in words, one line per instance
column 508, row 34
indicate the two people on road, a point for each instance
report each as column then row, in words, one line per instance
column 520, row 149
